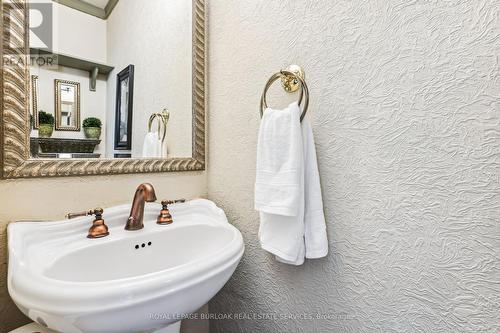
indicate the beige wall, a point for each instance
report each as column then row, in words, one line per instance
column 405, row 111
column 48, row 199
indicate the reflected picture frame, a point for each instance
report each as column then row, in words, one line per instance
column 124, row 108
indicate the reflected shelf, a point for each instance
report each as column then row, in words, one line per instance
column 60, row 147
column 94, row 68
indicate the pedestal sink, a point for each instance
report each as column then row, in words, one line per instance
column 129, row 281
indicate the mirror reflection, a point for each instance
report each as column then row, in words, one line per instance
column 113, row 86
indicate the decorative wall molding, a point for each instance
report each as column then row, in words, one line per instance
column 14, row 111
column 109, row 8
column 87, row 8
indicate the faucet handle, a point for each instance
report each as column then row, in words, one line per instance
column 70, row 216
column 169, row 202
column 99, row 228
column 95, row 211
column 165, row 217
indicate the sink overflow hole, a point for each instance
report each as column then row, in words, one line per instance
column 143, row 245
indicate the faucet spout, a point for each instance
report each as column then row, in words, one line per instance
column 144, row 193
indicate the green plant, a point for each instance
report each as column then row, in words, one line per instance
column 45, row 118
column 92, row 122
column 32, row 121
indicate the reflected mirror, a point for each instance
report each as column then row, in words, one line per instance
column 67, row 102
column 34, row 102
column 114, row 81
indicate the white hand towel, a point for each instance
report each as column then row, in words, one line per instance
column 279, row 162
column 293, row 227
column 153, row 147
column 279, row 194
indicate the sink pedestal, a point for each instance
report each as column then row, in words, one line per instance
column 174, row 328
column 34, row 327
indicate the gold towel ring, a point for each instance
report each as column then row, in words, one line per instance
column 304, row 91
column 162, row 118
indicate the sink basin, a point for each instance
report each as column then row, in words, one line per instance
column 129, row 281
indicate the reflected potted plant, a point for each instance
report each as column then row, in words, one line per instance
column 46, row 124
column 92, row 128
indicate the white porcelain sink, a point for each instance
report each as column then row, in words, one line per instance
column 63, row 280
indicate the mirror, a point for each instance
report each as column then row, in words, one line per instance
column 67, row 95
column 102, row 87
column 34, row 103
column 112, row 76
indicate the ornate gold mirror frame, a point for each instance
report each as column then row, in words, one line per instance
column 15, row 158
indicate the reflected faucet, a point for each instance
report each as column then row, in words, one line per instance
column 144, row 193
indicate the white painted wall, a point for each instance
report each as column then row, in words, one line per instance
column 155, row 36
column 74, row 32
column 406, row 115
column 79, row 34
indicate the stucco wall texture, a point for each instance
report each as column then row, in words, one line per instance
column 405, row 108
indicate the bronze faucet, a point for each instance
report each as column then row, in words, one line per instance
column 144, row 193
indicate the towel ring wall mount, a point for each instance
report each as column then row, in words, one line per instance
column 292, row 79
column 290, row 82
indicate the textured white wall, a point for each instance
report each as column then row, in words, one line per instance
column 155, row 36
column 405, row 109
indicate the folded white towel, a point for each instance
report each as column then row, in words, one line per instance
column 153, row 147
column 287, row 188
